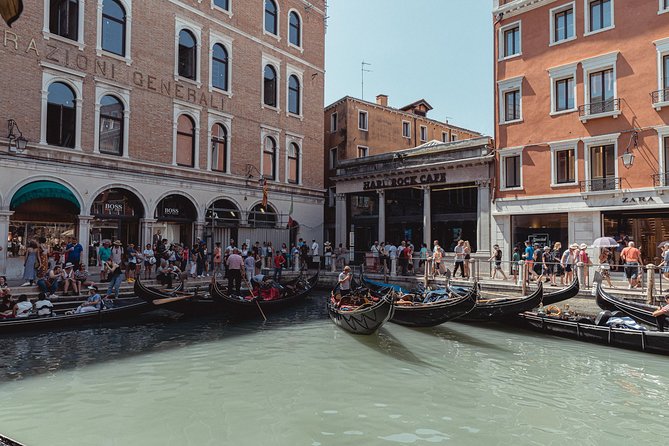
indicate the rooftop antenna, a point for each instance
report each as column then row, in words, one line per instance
column 364, row 70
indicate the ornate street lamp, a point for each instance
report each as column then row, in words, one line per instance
column 16, row 142
column 628, row 157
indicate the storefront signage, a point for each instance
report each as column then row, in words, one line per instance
column 171, row 211
column 113, row 208
column 638, row 200
column 412, row 180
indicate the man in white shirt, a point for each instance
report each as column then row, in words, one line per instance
column 375, row 254
column 345, row 280
column 392, row 255
column 43, row 306
column 315, row 258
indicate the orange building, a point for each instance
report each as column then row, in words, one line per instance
column 581, row 121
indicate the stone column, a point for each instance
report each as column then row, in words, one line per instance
column 199, row 229
column 382, row 216
column 483, row 221
column 427, row 216
column 341, row 227
column 84, row 236
column 146, row 231
column 4, row 233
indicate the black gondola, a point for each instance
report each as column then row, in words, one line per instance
column 122, row 309
column 638, row 311
column 589, row 330
column 363, row 320
column 429, row 314
column 548, row 298
column 497, row 309
column 174, row 300
column 245, row 307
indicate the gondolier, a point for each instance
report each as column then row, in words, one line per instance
column 235, row 265
column 344, row 280
column 662, row 313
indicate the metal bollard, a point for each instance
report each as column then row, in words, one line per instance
column 650, row 283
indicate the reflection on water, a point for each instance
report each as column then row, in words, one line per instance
column 299, row 380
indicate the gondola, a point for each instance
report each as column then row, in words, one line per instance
column 596, row 331
column 638, row 311
column 174, row 300
column 548, row 298
column 121, row 309
column 363, row 320
column 429, row 314
column 498, row 309
column 246, row 306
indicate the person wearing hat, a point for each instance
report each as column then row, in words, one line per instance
column 117, row 252
column 661, row 314
column 93, row 303
column 585, row 259
column 345, row 279
column 68, row 280
column 568, row 262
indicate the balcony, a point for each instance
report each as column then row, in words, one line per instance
column 661, row 179
column 603, row 109
column 601, row 185
column 660, row 98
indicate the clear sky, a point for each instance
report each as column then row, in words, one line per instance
column 439, row 50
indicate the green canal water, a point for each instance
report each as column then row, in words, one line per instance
column 299, row 380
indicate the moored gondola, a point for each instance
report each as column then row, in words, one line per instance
column 498, row 309
column 596, row 331
column 563, row 294
column 638, row 311
column 171, row 299
column 364, row 319
column 293, row 293
column 430, row 314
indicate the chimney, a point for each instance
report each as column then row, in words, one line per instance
column 382, row 99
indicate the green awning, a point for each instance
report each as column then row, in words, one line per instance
column 42, row 189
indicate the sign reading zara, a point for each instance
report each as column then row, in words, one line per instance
column 411, row 180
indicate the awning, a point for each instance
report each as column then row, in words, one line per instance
column 42, row 189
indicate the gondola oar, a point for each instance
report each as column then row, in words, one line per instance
column 167, row 300
column 262, row 313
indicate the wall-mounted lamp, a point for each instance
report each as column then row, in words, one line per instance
column 16, row 142
column 628, row 157
column 250, row 169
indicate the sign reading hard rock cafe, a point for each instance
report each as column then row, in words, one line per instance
column 410, row 180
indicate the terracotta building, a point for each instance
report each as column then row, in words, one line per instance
column 359, row 135
column 126, row 117
column 581, row 121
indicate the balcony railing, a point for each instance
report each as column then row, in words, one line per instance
column 601, row 184
column 661, row 179
column 660, row 96
column 596, row 108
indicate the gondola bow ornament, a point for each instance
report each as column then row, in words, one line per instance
column 11, row 10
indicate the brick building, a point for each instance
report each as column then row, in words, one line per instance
column 155, row 114
column 358, row 136
column 581, row 121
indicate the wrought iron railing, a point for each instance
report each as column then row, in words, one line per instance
column 600, row 184
column 595, row 108
column 660, row 96
column 661, row 179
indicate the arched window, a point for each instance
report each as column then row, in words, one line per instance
column 295, row 29
column 293, row 163
column 260, row 217
column 270, row 86
column 113, row 27
column 187, row 55
column 111, row 126
column 269, row 158
column 61, row 115
column 271, row 17
column 219, row 67
column 185, row 141
column 64, row 18
column 294, row 95
column 219, row 146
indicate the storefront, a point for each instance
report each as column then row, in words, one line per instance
column 223, row 219
column 175, row 217
column 646, row 229
column 545, row 229
column 116, row 215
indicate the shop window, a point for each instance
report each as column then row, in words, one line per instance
column 271, row 17
column 510, row 43
column 111, row 126
column 269, row 158
column 269, row 86
column 187, row 55
column 185, row 155
column 113, row 27
column 562, row 24
column 333, row 122
column 61, row 127
column 64, row 18
column 219, row 67
column 294, row 99
column 295, row 29
column 423, row 133
column 219, row 148
column 362, row 121
column 293, row 163
column 599, row 16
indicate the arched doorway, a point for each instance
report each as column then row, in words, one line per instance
column 175, row 215
column 42, row 209
column 223, row 220
column 116, row 213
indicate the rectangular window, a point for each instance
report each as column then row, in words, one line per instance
column 223, row 4
column 602, row 167
column 406, row 129
column 444, row 137
column 454, row 137
column 664, row 5
column 511, row 105
column 601, row 91
column 512, row 171
column 665, row 71
column 666, row 157
column 362, row 120
column 564, row 94
column 423, row 133
column 512, row 41
column 565, row 166
column 363, row 152
column 333, row 158
column 563, row 25
column 333, row 122
column 601, row 15
column 64, row 18
column 331, row 197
